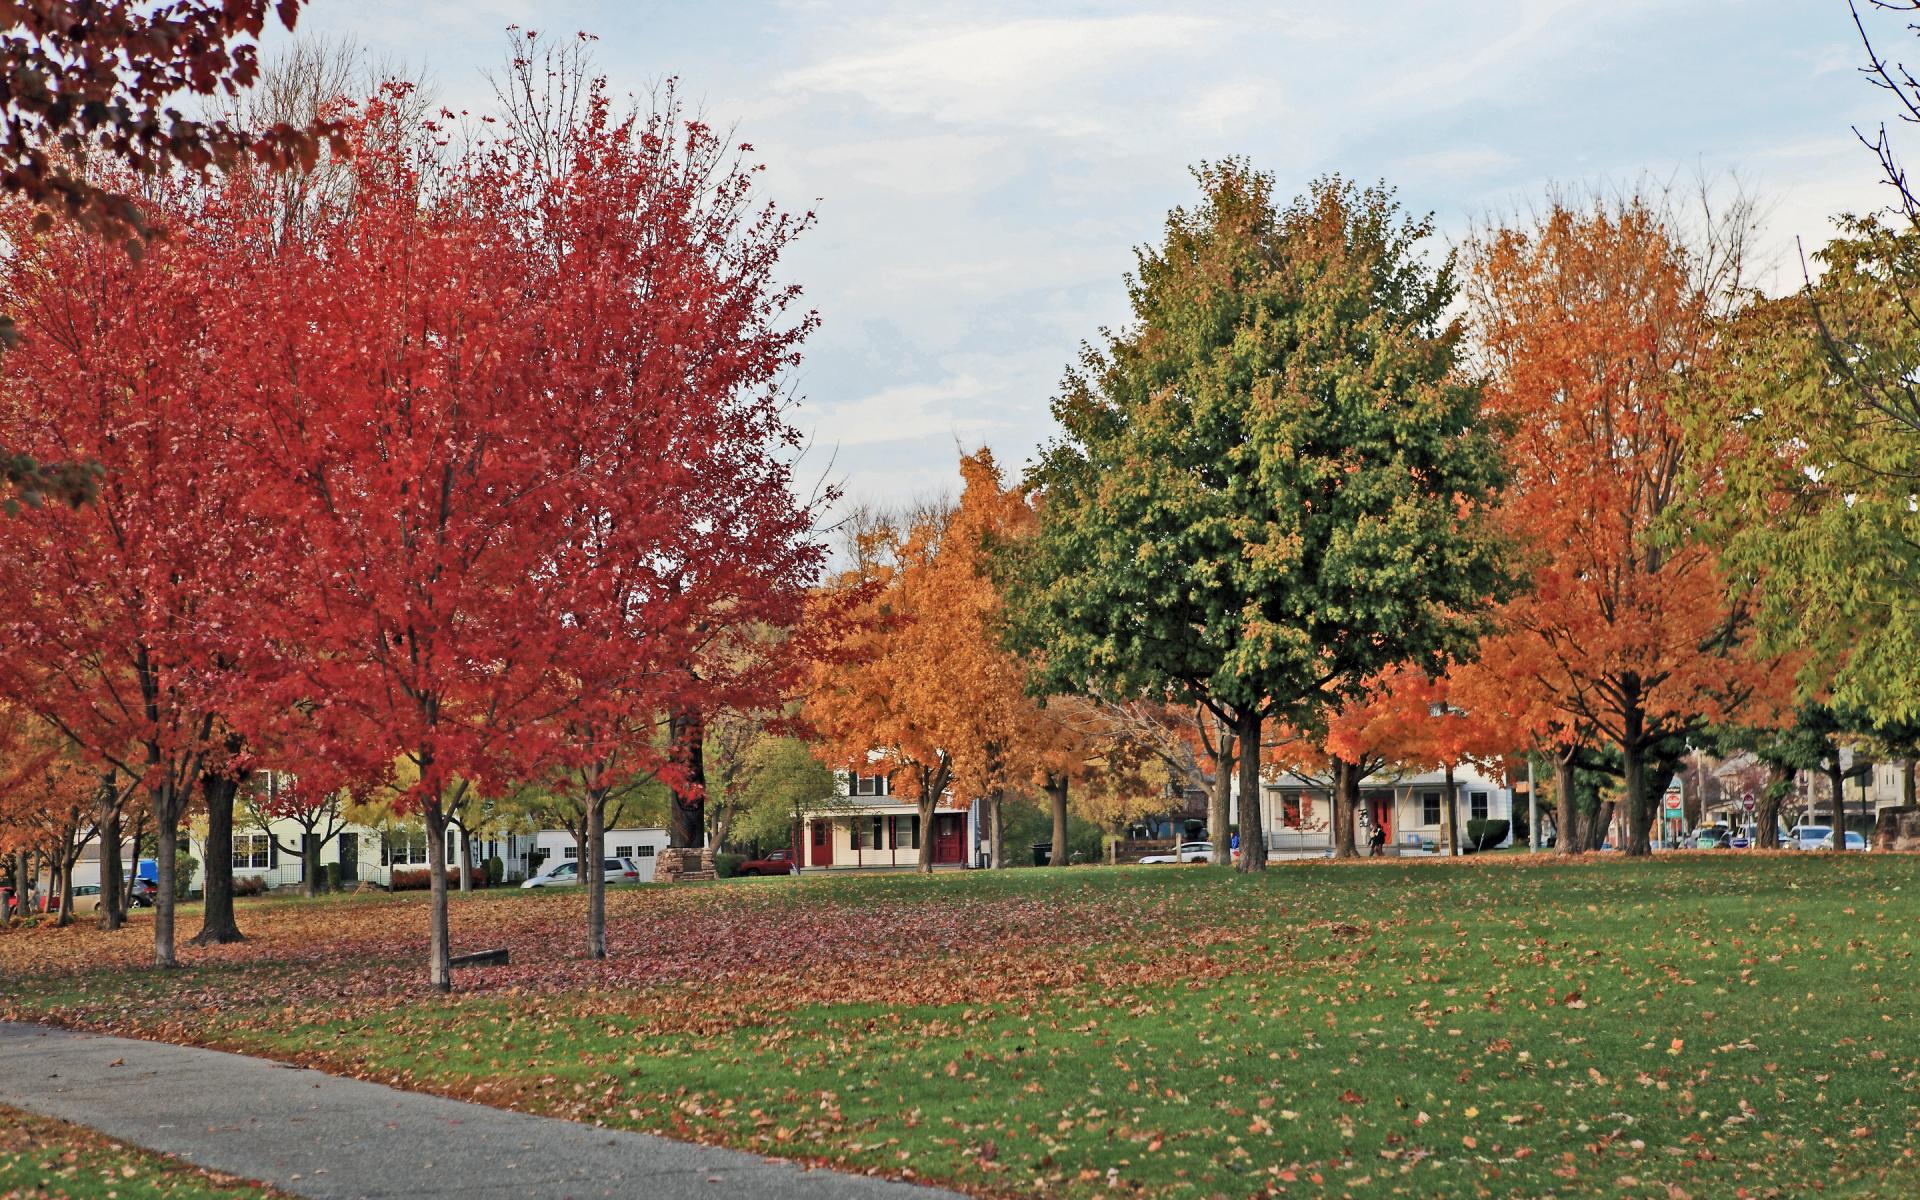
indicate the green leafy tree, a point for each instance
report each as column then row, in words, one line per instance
column 779, row 780
column 1272, row 485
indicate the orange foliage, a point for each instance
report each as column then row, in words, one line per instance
column 1593, row 322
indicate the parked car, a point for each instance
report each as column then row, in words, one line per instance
column 144, row 890
column 1189, row 852
column 1809, row 837
column 86, row 899
column 567, row 873
column 779, row 862
column 1855, row 841
column 1712, row 837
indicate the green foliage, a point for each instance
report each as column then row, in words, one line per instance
column 1271, row 485
column 1028, row 824
column 779, row 778
column 1815, row 429
column 727, row 866
column 184, row 865
column 1486, row 834
column 496, row 871
column 330, row 877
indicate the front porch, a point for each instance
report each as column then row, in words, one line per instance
column 880, row 833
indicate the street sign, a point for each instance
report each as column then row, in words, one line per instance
column 1674, row 807
column 1747, row 803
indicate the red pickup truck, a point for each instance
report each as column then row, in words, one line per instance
column 779, row 862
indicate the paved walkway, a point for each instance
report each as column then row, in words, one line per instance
column 321, row 1136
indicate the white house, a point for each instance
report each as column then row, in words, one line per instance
column 1407, row 806
column 867, row 826
column 642, row 845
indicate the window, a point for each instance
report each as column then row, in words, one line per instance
column 1477, row 806
column 1429, row 808
column 570, row 852
column 1290, row 810
column 878, row 824
column 252, row 852
column 403, row 848
column 906, row 832
column 643, row 852
column 869, row 785
column 623, row 851
column 820, row 833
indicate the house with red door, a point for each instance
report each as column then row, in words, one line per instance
column 867, row 826
column 1407, row 806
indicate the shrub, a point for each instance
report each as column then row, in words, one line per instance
column 726, row 866
column 330, row 877
column 1485, row 835
column 422, row 879
column 184, row 865
column 496, row 871
column 249, row 885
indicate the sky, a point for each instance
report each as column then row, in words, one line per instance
column 982, row 171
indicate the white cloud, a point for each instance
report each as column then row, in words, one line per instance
column 1027, row 72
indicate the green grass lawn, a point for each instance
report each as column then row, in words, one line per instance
column 1711, row 1025
column 44, row 1159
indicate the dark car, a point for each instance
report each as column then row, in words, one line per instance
column 144, row 890
column 779, row 862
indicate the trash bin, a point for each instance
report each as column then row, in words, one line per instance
column 1042, row 853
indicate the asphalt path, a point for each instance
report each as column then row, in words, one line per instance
column 317, row 1135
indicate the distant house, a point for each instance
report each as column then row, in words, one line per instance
column 641, row 844
column 866, row 825
column 1407, row 806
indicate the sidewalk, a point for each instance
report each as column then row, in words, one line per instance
column 320, row 1136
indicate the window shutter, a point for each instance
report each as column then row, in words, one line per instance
column 273, row 853
column 386, row 849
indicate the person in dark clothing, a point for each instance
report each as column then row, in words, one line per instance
column 1377, row 839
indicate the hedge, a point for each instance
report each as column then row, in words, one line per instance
column 420, row 881
column 1485, row 835
column 726, row 866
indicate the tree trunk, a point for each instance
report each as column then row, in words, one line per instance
column 1766, row 808
column 1837, row 780
column 1452, row 813
column 20, row 888
column 139, row 835
column 688, row 822
column 1344, row 807
column 113, row 912
column 1220, row 803
column 996, row 831
column 1633, row 757
column 927, row 804
column 1057, row 799
column 595, row 873
column 466, row 859
column 1253, row 829
column 66, row 891
column 1600, row 825
column 166, row 825
column 310, row 862
column 1908, row 771
column 1566, row 801
column 217, row 925
column 439, row 949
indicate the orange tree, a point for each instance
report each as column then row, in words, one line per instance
column 878, row 693
column 1594, row 323
column 935, row 695
column 1271, row 486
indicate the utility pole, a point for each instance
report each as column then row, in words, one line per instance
column 1533, row 808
